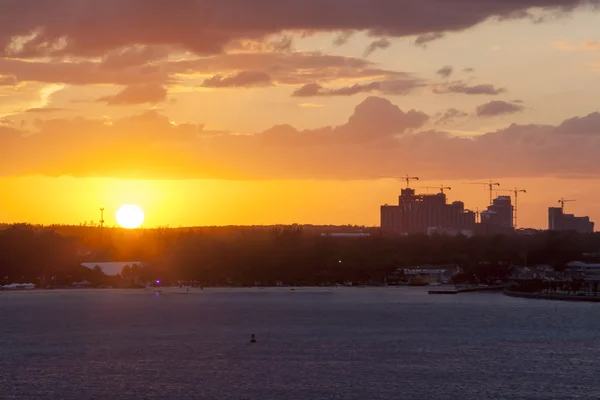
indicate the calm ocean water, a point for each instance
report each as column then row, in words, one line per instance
column 364, row 344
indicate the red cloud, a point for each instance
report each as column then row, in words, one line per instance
column 379, row 139
column 137, row 94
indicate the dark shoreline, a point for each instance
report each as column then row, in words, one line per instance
column 550, row 296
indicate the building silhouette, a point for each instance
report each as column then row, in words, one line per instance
column 498, row 218
column 559, row 221
column 426, row 214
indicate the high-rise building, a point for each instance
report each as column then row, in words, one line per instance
column 426, row 213
column 498, row 218
column 559, row 221
column 500, row 213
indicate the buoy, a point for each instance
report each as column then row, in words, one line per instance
column 253, row 340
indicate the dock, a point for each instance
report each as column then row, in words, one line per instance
column 470, row 289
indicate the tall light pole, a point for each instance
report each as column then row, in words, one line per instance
column 101, row 224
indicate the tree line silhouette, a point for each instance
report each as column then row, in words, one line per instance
column 291, row 255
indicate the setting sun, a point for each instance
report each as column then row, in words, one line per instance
column 130, row 216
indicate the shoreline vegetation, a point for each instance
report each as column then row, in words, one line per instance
column 292, row 256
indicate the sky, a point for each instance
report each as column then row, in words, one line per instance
column 236, row 112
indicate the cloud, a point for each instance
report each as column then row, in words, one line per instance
column 54, row 27
column 588, row 125
column 342, row 38
column 565, row 45
column 449, row 116
column 380, row 44
column 591, row 44
column 374, row 119
column 464, row 88
column 133, row 56
column 310, row 105
column 445, row 71
column 241, row 79
column 137, row 94
column 389, row 87
column 8, row 81
column 80, row 72
column 498, row 107
column 378, row 139
column 44, row 110
column 423, row 40
column 295, row 68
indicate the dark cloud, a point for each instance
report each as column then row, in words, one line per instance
column 464, row 88
column 389, row 87
column 134, row 68
column 133, row 56
column 242, row 79
column 137, row 94
column 342, row 38
column 498, row 107
column 445, row 71
column 380, row 44
column 449, row 116
column 423, row 40
column 283, row 44
column 94, row 27
column 588, row 125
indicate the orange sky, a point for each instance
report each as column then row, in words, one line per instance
column 204, row 117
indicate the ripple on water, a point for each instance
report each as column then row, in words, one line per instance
column 346, row 343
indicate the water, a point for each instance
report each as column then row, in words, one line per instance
column 364, row 344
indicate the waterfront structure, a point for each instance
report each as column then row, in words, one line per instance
column 559, row 221
column 426, row 214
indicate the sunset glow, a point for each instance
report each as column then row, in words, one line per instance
column 130, row 216
column 276, row 119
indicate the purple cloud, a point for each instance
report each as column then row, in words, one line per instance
column 498, row 107
column 380, row 44
column 463, row 88
column 115, row 24
column 242, row 79
column 445, row 71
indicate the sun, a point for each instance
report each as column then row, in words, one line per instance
column 130, row 216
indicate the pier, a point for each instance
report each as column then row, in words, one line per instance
column 470, row 289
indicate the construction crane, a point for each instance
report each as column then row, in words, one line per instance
column 441, row 188
column 563, row 201
column 516, row 192
column 408, row 178
column 490, row 184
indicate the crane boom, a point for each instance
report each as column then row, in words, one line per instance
column 408, row 178
column 441, row 188
column 563, row 201
column 489, row 184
